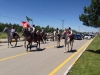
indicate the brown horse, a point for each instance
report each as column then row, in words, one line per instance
column 29, row 38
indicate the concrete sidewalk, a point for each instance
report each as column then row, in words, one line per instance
column 13, row 40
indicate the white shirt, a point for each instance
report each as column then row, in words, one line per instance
column 58, row 32
column 71, row 32
column 33, row 29
column 12, row 30
column 42, row 30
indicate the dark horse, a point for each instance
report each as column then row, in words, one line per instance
column 10, row 37
column 43, row 36
column 29, row 37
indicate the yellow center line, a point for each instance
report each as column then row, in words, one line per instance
column 63, row 63
column 20, row 54
column 14, row 56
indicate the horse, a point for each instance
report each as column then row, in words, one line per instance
column 58, row 39
column 68, row 40
column 51, row 36
column 28, row 36
column 43, row 36
column 10, row 37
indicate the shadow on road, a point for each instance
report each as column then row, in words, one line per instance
column 38, row 50
column 17, row 46
column 60, row 46
column 72, row 51
column 94, row 51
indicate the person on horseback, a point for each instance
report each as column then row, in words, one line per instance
column 57, row 31
column 12, row 31
column 28, row 29
column 71, row 33
column 42, row 31
column 34, row 32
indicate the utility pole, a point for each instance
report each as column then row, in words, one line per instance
column 63, row 24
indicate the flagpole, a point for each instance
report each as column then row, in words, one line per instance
column 25, row 17
column 32, row 22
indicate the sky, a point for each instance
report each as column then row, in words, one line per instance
column 46, row 12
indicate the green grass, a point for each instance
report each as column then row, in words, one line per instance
column 4, row 35
column 89, row 62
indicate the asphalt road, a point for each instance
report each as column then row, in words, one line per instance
column 49, row 60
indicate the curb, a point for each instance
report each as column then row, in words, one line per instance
column 13, row 40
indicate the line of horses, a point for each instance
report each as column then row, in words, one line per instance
column 38, row 38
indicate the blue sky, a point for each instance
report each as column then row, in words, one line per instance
column 45, row 12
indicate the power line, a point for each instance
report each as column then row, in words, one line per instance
column 10, row 17
column 31, row 9
column 25, row 8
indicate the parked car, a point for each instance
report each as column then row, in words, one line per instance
column 87, row 36
column 78, row 37
column 92, row 35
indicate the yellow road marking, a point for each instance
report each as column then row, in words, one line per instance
column 63, row 63
column 14, row 56
column 20, row 54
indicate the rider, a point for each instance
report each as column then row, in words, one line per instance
column 42, row 31
column 12, row 31
column 57, row 31
column 71, row 33
column 34, row 32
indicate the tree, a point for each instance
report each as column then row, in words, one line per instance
column 91, row 15
column 38, row 27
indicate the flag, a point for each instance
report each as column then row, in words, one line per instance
column 25, row 24
column 28, row 19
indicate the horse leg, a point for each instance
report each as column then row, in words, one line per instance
column 39, row 44
column 16, row 42
column 59, row 40
column 65, row 46
column 57, row 43
column 72, row 45
column 68, row 46
column 27, row 47
column 25, row 44
column 8, row 43
column 30, row 46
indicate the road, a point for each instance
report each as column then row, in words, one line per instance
column 49, row 60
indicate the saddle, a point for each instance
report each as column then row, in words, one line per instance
column 14, row 35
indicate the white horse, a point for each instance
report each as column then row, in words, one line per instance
column 68, row 40
column 10, row 37
column 58, row 39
